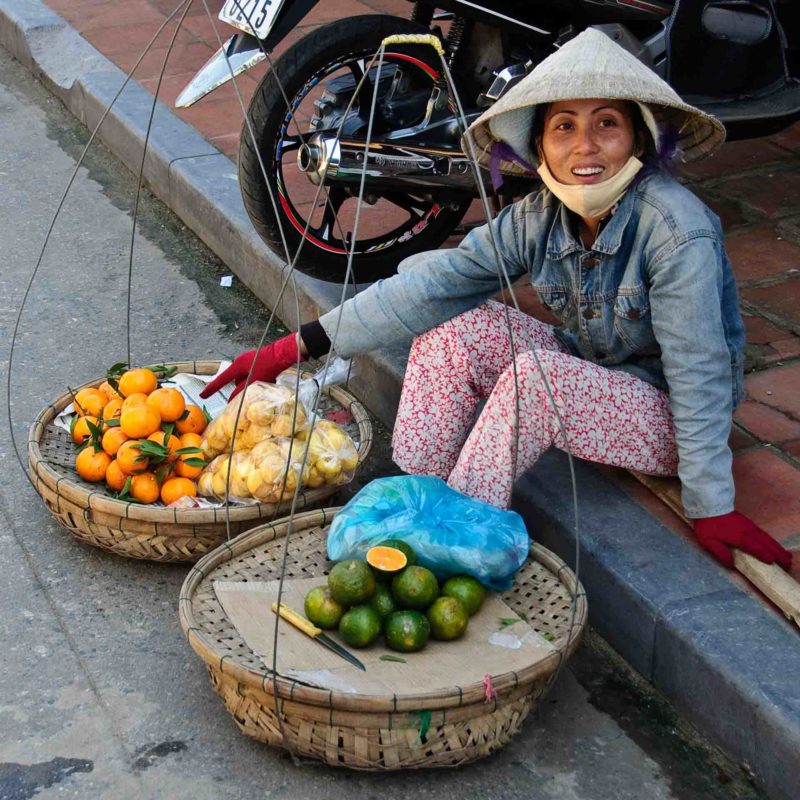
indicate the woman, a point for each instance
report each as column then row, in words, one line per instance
column 646, row 367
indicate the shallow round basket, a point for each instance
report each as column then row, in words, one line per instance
column 370, row 732
column 158, row 533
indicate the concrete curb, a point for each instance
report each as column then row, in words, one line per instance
column 184, row 171
column 722, row 658
column 670, row 612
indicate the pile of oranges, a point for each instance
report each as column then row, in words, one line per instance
column 141, row 439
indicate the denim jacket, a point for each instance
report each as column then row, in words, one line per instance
column 654, row 296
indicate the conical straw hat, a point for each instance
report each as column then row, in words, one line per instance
column 590, row 66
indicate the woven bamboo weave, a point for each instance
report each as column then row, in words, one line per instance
column 157, row 533
column 359, row 731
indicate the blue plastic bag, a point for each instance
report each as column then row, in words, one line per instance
column 452, row 534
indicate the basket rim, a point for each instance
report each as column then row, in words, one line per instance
column 289, row 689
column 97, row 499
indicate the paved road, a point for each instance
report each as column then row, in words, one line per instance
column 100, row 696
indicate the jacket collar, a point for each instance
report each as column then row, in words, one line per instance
column 561, row 241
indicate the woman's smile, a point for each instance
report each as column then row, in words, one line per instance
column 591, row 173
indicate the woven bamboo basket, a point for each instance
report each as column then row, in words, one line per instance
column 369, row 732
column 157, row 533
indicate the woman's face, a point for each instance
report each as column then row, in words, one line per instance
column 587, row 141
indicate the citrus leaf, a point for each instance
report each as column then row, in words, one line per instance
column 168, row 429
column 194, row 462
column 95, row 430
column 392, row 658
column 185, row 451
column 73, row 424
column 161, row 473
column 112, row 422
column 125, row 489
column 116, row 370
column 208, row 416
column 184, row 416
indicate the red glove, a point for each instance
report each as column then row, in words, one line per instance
column 270, row 361
column 719, row 534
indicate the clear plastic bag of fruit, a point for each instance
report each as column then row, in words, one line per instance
column 265, row 411
column 268, row 473
column 332, row 454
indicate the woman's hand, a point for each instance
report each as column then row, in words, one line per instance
column 719, row 535
column 267, row 363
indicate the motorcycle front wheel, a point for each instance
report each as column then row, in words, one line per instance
column 318, row 76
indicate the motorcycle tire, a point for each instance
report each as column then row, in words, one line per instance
column 432, row 217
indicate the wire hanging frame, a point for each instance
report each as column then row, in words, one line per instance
column 291, row 261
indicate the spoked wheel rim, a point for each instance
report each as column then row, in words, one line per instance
column 387, row 219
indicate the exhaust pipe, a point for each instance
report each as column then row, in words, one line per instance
column 324, row 157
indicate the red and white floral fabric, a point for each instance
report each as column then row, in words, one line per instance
column 607, row 416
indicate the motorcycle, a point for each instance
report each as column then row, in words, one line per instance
column 307, row 122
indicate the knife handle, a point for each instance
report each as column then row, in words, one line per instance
column 293, row 618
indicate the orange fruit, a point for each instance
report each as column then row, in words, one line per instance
column 137, row 380
column 191, row 439
column 112, row 439
column 175, row 488
column 115, row 477
column 386, row 559
column 192, row 421
column 140, row 421
column 113, row 408
column 183, row 469
column 80, row 431
column 172, row 444
column 136, row 399
column 109, row 391
column 92, row 466
column 90, row 402
column 130, row 458
column 169, row 403
column 144, row 487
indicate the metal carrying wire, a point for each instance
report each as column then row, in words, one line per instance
column 291, row 261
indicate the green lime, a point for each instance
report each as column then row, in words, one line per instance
column 322, row 609
column 404, row 548
column 351, row 582
column 415, row 587
column 467, row 589
column 382, row 601
column 406, row 631
column 360, row 626
column 448, row 619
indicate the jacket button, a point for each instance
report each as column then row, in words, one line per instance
column 591, row 262
column 588, row 314
column 633, row 313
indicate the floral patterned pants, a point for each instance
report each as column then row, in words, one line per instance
column 604, row 415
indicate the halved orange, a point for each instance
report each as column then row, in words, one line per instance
column 386, row 559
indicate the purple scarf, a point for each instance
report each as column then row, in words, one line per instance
column 503, row 151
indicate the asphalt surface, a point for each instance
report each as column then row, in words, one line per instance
column 100, row 695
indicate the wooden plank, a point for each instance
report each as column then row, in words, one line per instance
column 774, row 582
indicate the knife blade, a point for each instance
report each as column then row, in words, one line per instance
column 308, row 628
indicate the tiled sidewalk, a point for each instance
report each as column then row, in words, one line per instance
column 754, row 186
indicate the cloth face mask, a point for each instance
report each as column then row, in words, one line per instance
column 594, row 199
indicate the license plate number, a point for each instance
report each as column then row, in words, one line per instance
column 251, row 15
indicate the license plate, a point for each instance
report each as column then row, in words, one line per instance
column 251, row 16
